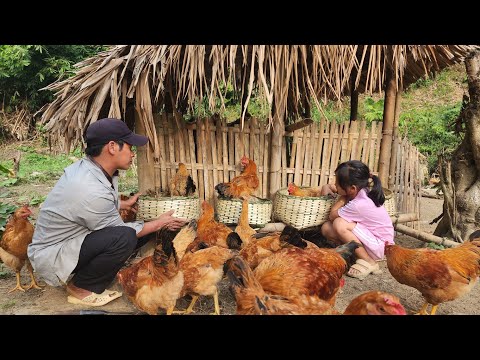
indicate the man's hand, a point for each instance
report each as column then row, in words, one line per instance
column 130, row 204
column 170, row 222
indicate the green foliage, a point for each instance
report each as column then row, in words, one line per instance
column 435, row 246
column 372, row 110
column 25, row 69
column 5, row 211
column 427, row 129
column 4, row 272
column 333, row 111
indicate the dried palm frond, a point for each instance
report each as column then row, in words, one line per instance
column 291, row 78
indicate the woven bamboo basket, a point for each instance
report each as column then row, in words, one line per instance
column 390, row 203
column 259, row 211
column 301, row 212
column 187, row 207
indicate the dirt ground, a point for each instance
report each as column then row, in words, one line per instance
column 51, row 300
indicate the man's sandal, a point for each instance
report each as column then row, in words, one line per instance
column 95, row 299
column 362, row 268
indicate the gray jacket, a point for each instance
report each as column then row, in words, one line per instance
column 81, row 202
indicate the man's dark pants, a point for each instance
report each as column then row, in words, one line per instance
column 102, row 255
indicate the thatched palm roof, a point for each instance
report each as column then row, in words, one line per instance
column 290, row 77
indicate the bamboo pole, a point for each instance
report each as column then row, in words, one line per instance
column 394, row 149
column 388, row 117
column 145, row 161
column 423, row 236
column 277, row 133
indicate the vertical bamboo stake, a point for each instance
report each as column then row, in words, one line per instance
column 317, row 155
column 284, row 163
column 231, row 153
column 201, row 170
column 266, row 157
column 277, row 133
column 261, row 163
column 145, row 161
column 225, row 151
column 163, row 157
column 359, row 146
column 393, row 159
column 297, row 177
column 388, row 119
column 193, row 158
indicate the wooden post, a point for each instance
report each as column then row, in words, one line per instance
column 145, row 163
column 395, row 142
column 277, row 132
column 388, row 117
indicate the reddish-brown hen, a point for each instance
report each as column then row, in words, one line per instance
column 375, row 303
column 213, row 233
column 242, row 186
column 294, row 190
column 182, row 183
column 252, row 299
column 128, row 215
column 14, row 243
column 440, row 275
column 153, row 283
column 202, row 271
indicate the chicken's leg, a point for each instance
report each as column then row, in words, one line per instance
column 192, row 304
column 217, row 305
column 170, row 310
column 190, row 307
column 18, row 286
column 34, row 283
column 423, row 310
column 434, row 309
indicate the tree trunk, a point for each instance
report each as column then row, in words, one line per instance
column 460, row 174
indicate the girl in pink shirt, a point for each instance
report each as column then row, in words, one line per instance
column 359, row 215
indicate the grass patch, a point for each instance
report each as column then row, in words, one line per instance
column 7, row 305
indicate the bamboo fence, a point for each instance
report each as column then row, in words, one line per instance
column 211, row 151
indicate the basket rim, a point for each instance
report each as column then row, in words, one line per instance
column 168, row 198
column 262, row 201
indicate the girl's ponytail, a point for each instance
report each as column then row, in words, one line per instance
column 376, row 192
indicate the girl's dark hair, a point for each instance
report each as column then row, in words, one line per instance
column 96, row 150
column 356, row 173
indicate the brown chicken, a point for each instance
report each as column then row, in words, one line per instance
column 291, row 272
column 375, row 303
column 202, row 271
column 184, row 238
column 263, row 245
column 182, row 183
column 128, row 215
column 252, row 299
column 13, row 245
column 440, row 275
column 154, row 282
column 294, row 190
column 242, row 186
column 211, row 233
column 243, row 229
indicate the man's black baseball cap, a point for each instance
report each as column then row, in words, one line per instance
column 104, row 130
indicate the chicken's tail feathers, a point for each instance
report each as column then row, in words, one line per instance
column 347, row 251
column 234, row 241
column 222, row 189
column 292, row 236
column 191, row 187
column 240, row 275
